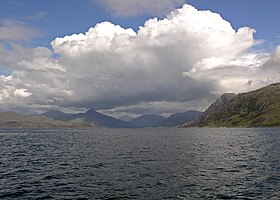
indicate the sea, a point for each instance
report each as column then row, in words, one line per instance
column 155, row 163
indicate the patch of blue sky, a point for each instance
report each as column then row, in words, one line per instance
column 5, row 72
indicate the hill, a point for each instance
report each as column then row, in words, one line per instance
column 180, row 118
column 16, row 120
column 147, row 120
column 259, row 108
column 54, row 114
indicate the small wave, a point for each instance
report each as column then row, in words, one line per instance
column 18, row 193
column 118, row 197
column 50, row 177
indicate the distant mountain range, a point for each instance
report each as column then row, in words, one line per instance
column 259, row 108
column 90, row 119
column 91, row 116
column 55, row 114
column 180, row 118
column 147, row 120
column 160, row 121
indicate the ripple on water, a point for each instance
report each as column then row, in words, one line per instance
column 140, row 164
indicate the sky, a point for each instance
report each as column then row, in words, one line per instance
column 132, row 57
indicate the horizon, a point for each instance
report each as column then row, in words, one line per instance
column 135, row 116
column 83, row 112
column 130, row 59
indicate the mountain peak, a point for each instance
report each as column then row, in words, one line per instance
column 92, row 111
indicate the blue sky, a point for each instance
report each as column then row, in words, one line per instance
column 113, row 56
column 64, row 17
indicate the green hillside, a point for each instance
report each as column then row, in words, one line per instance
column 259, row 108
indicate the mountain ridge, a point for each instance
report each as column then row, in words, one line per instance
column 147, row 120
column 258, row 108
column 90, row 116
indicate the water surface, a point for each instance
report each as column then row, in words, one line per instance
column 140, row 164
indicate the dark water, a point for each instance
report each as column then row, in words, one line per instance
column 140, row 164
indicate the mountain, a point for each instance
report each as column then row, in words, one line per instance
column 180, row 118
column 103, row 120
column 54, row 114
column 91, row 116
column 257, row 108
column 61, row 116
column 16, row 120
column 147, row 120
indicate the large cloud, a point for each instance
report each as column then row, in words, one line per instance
column 121, row 66
column 125, row 8
column 184, row 60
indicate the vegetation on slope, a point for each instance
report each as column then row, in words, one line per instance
column 259, row 108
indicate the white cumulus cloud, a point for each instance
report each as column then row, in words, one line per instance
column 186, row 59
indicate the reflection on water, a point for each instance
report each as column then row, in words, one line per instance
column 140, row 164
